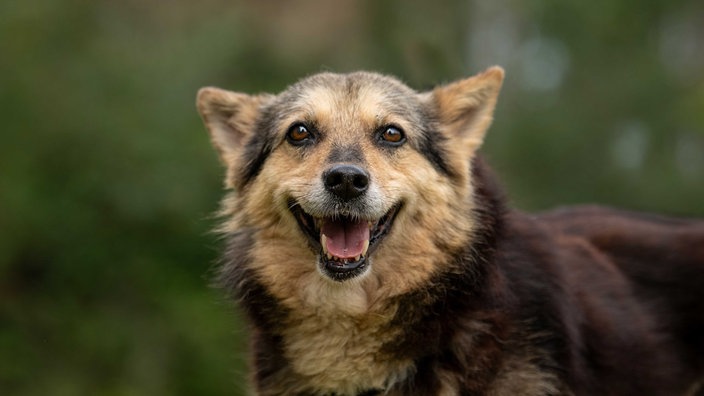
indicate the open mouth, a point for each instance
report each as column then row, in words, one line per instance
column 343, row 242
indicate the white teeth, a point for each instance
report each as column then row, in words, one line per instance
column 323, row 243
column 365, row 248
column 357, row 258
column 329, row 256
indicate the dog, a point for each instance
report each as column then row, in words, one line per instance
column 373, row 253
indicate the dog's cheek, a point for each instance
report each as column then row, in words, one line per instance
column 291, row 263
column 266, row 197
column 433, row 222
column 424, row 190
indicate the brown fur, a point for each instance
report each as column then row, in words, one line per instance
column 461, row 296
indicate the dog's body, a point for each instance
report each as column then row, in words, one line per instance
column 372, row 253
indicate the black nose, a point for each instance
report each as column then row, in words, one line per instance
column 346, row 181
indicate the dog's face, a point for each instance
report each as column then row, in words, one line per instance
column 350, row 179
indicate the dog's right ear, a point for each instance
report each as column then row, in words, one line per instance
column 229, row 117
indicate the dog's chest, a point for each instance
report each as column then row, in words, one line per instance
column 342, row 355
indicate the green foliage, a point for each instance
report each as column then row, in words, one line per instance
column 108, row 180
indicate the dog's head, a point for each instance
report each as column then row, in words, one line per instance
column 344, row 177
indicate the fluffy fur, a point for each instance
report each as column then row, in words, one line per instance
column 456, row 294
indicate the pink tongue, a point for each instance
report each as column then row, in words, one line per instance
column 345, row 238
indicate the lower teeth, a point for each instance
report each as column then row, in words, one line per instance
column 343, row 260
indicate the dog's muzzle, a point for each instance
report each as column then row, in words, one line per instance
column 343, row 236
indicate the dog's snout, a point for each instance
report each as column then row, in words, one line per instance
column 346, row 181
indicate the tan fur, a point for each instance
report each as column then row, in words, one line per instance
column 331, row 319
column 523, row 378
column 520, row 375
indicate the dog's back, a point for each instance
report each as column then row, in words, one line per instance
column 662, row 259
column 662, row 256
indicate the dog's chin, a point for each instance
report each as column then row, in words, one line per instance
column 341, row 271
column 343, row 242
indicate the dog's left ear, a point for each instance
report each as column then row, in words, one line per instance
column 466, row 107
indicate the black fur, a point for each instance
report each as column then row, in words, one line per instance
column 352, row 154
column 259, row 147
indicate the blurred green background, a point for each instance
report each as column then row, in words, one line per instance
column 108, row 180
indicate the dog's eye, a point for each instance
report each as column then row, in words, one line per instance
column 392, row 135
column 298, row 134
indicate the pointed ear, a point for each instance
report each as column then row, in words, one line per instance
column 229, row 117
column 465, row 108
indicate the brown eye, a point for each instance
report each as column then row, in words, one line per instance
column 298, row 134
column 392, row 135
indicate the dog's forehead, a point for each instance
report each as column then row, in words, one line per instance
column 362, row 95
